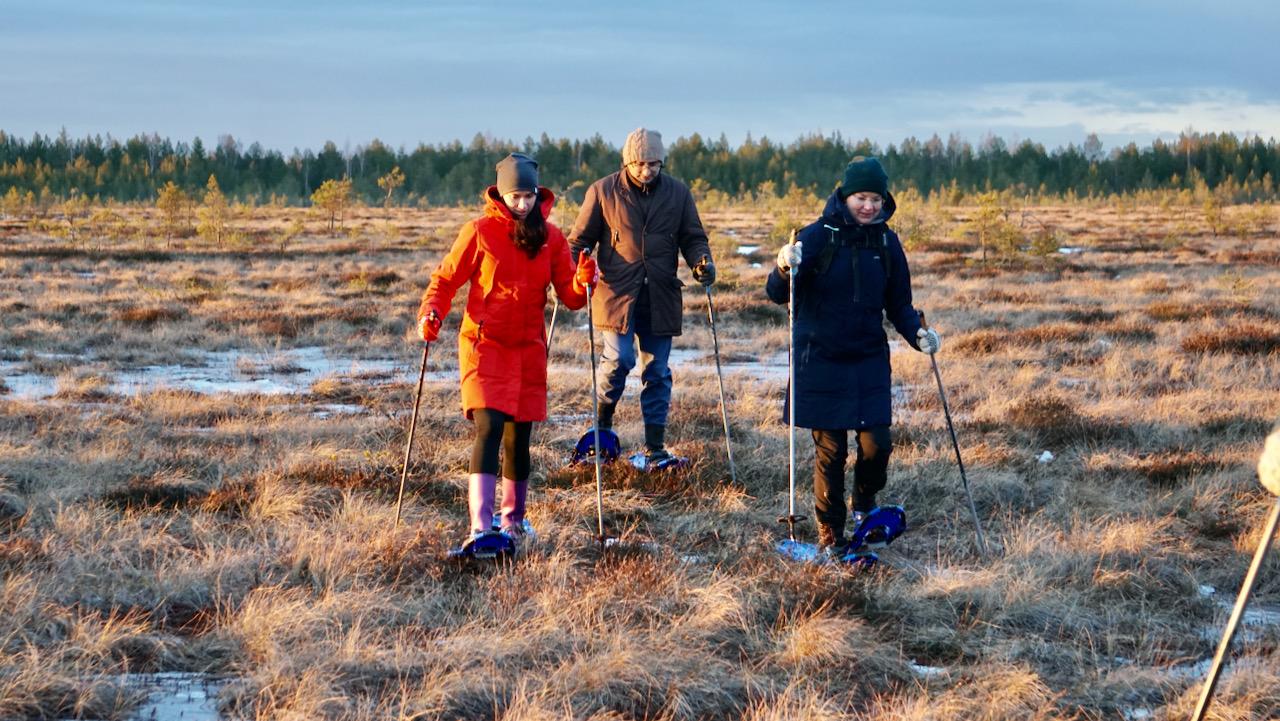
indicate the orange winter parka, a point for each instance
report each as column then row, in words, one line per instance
column 502, row 344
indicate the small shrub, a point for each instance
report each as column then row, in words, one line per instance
column 1051, row 418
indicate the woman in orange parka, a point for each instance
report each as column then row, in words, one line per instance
column 510, row 255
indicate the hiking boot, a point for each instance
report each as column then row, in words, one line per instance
column 830, row 541
column 605, row 417
column 657, row 456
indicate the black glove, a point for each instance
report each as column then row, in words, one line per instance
column 705, row 272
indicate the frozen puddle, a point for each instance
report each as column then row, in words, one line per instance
column 279, row 372
column 175, row 696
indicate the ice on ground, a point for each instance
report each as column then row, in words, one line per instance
column 926, row 671
column 175, row 696
column 329, row 410
column 278, row 372
column 1256, row 621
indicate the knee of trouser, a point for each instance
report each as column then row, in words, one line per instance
column 489, row 425
column 876, row 444
column 829, row 450
column 622, row 362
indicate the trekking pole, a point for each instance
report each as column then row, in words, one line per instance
column 791, row 519
column 595, row 413
column 964, row 479
column 413, row 424
column 1269, row 474
column 724, row 410
column 551, row 332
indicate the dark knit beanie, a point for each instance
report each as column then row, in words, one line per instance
column 864, row 175
column 517, row 171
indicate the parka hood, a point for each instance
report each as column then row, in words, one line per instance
column 837, row 213
column 494, row 207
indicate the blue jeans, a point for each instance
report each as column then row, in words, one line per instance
column 618, row 358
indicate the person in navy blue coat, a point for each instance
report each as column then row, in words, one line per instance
column 851, row 273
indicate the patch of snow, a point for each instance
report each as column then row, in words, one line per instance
column 756, row 265
column 1136, row 714
column 329, row 410
column 1207, row 591
column 1070, row 250
column 926, row 671
column 747, row 249
column 1044, row 457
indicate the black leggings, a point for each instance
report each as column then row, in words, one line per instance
column 494, row 428
column 870, row 471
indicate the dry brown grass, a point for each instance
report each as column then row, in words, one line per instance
column 250, row 535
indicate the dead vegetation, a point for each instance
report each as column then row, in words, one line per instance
column 248, row 533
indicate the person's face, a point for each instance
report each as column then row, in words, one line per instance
column 864, row 206
column 520, row 202
column 644, row 171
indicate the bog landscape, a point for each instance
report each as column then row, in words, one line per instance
column 205, row 401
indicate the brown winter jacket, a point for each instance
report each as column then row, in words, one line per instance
column 634, row 248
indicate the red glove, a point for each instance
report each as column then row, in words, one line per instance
column 429, row 327
column 588, row 273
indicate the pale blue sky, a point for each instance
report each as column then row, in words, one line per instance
column 294, row 74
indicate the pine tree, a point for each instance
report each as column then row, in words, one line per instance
column 389, row 183
column 172, row 204
column 213, row 214
column 333, row 197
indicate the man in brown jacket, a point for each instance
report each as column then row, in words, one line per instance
column 638, row 222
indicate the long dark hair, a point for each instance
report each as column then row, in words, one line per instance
column 531, row 231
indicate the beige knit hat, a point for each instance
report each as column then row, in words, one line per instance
column 643, row 145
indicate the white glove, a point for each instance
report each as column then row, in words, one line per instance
column 789, row 256
column 928, row 340
column 1269, row 463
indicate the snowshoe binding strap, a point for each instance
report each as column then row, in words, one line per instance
column 585, row 451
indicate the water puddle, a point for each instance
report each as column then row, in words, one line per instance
column 281, row 372
column 175, row 696
column 771, row 368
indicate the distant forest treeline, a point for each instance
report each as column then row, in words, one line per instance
column 52, row 167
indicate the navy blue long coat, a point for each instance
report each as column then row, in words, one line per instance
column 849, row 279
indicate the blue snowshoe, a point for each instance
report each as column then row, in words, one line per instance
column 878, row 528
column 585, row 451
column 485, row 545
column 657, row 461
column 810, row 553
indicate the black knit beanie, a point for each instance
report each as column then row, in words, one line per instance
column 864, row 174
column 517, row 171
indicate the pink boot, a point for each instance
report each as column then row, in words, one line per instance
column 513, row 496
column 482, row 488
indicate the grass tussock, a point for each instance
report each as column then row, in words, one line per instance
column 1238, row 340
